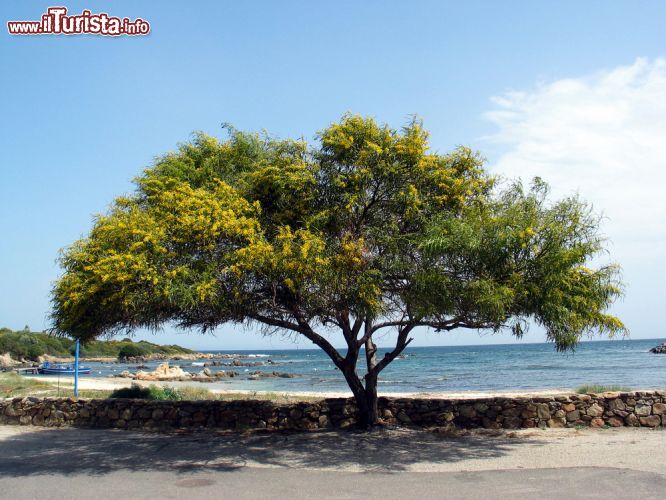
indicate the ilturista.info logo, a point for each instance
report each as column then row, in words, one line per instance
column 56, row 21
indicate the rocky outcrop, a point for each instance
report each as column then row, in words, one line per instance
column 215, row 363
column 207, row 375
column 131, row 360
column 660, row 349
column 239, row 363
column 633, row 409
column 163, row 372
column 166, row 373
column 259, row 375
column 6, row 361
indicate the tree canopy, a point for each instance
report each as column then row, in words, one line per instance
column 363, row 230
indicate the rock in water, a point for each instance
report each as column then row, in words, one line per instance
column 660, row 349
column 259, row 375
column 163, row 372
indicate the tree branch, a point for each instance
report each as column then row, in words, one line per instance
column 357, row 326
column 370, row 347
column 387, row 324
column 400, row 345
column 448, row 325
column 279, row 323
column 343, row 322
column 306, row 330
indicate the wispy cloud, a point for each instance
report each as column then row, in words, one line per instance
column 601, row 135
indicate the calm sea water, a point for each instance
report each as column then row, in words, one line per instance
column 466, row 368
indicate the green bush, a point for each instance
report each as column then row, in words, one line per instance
column 133, row 392
column 165, row 393
column 131, row 351
column 162, row 393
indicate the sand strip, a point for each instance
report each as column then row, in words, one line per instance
column 110, row 384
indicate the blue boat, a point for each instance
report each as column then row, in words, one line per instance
column 60, row 369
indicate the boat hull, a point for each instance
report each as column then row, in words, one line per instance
column 63, row 371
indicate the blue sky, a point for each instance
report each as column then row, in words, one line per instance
column 572, row 91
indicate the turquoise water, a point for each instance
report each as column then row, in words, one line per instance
column 466, row 368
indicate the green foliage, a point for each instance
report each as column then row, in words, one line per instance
column 133, row 392
column 598, row 389
column 131, row 351
column 29, row 345
column 24, row 344
column 250, row 227
column 162, row 393
column 516, row 257
column 165, row 393
column 370, row 223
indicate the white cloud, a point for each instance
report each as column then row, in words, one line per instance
column 601, row 135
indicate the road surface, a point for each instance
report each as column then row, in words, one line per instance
column 106, row 464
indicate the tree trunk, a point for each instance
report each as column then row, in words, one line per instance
column 365, row 397
column 368, row 414
column 371, row 417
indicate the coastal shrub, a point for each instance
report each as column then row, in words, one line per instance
column 162, row 393
column 133, row 392
column 166, row 393
column 597, row 388
column 131, row 351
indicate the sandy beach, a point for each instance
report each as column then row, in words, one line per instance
column 110, row 384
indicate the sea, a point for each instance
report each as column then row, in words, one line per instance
column 497, row 368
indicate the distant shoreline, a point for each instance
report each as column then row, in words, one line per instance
column 148, row 357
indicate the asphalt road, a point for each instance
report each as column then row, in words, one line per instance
column 100, row 464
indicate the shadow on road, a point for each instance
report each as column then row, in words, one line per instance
column 76, row 451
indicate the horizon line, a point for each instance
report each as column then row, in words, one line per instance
column 429, row 346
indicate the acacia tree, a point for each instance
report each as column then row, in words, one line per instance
column 364, row 231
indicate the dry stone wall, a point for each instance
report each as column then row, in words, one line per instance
column 634, row 409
